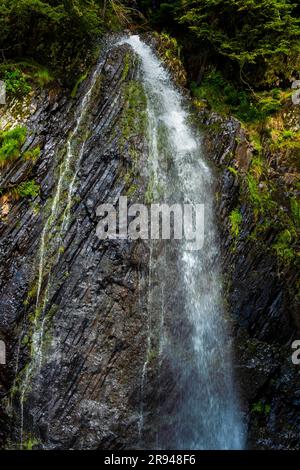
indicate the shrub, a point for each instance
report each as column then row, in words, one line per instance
column 283, row 246
column 11, row 142
column 16, row 82
column 28, row 189
column 235, row 221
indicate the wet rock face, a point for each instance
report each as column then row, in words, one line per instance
column 87, row 391
column 261, row 300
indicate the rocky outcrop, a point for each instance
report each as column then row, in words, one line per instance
column 261, row 295
column 84, row 313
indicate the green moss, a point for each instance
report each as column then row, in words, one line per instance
column 133, row 124
column 235, row 220
column 127, row 65
column 232, row 170
column 134, row 118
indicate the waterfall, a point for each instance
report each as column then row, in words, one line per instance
column 200, row 410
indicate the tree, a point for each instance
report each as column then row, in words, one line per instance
column 55, row 33
column 265, row 33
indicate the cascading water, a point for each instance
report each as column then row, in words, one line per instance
column 200, row 410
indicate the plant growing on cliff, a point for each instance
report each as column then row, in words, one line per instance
column 283, row 245
column 170, row 52
column 11, row 142
column 28, row 189
column 15, row 81
column 261, row 408
column 236, row 219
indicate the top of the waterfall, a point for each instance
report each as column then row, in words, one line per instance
column 152, row 66
column 164, row 96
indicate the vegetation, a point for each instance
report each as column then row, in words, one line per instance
column 227, row 98
column 11, row 142
column 235, row 221
column 16, row 81
column 170, row 52
column 58, row 37
column 272, row 210
column 247, row 33
column 28, row 189
column 253, row 41
column 261, row 408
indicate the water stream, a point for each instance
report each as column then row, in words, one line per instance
column 200, row 409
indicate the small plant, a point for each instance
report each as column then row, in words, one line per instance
column 236, row 219
column 11, row 142
column 261, row 408
column 260, row 196
column 16, row 82
column 232, row 170
column 283, row 246
column 43, row 77
column 32, row 154
column 29, row 443
column 28, row 189
column 295, row 209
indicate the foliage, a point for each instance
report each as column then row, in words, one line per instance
column 235, row 220
column 227, row 98
column 295, row 209
column 32, row 154
column 264, row 196
column 28, row 189
column 29, row 443
column 15, row 81
column 43, row 77
column 11, row 142
column 170, row 52
column 261, row 408
column 56, row 34
column 283, row 246
column 246, row 33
